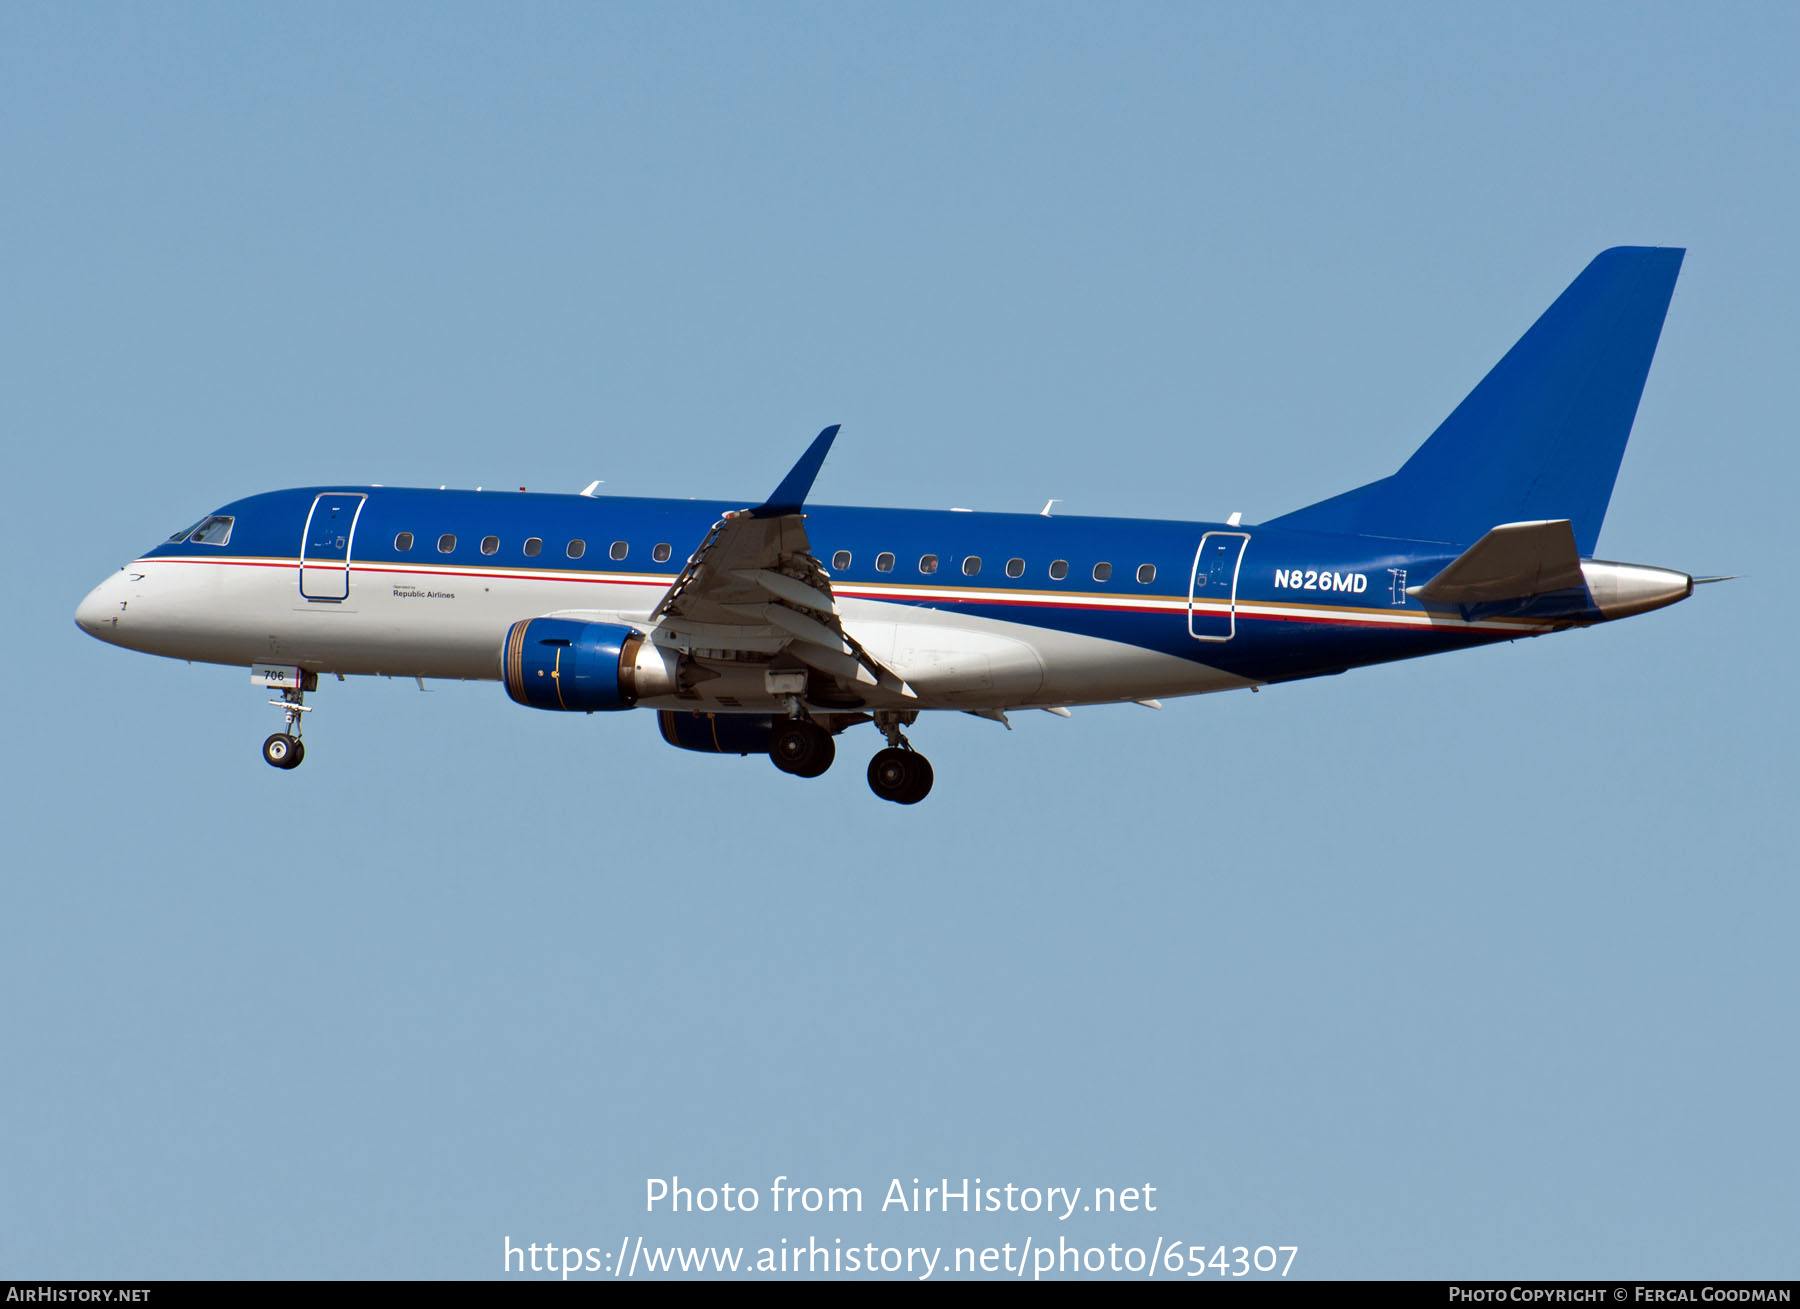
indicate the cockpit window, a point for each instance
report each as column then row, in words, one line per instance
column 182, row 535
column 213, row 531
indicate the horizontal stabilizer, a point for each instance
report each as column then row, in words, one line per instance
column 1512, row 561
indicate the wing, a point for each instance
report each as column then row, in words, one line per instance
column 754, row 589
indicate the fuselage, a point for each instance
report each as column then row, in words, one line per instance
column 973, row 610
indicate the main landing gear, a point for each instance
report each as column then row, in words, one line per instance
column 899, row 773
column 285, row 749
column 801, row 746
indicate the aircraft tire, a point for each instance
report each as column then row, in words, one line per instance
column 802, row 748
column 922, row 778
column 283, row 751
column 902, row 776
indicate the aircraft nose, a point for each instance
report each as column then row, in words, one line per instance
column 96, row 615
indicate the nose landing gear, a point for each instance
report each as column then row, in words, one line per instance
column 284, row 749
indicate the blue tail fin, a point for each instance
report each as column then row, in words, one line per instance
column 1542, row 435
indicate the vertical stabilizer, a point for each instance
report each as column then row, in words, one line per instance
column 1542, row 436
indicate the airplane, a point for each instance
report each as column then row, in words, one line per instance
column 772, row 628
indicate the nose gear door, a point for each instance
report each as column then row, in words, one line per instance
column 325, row 545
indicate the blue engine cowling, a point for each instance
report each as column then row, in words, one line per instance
column 716, row 733
column 561, row 663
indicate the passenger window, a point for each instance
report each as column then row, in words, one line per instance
column 214, row 531
column 1102, row 572
column 1015, row 568
column 884, row 562
column 841, row 560
column 1059, row 569
column 971, row 565
column 1146, row 573
column 490, row 544
column 619, row 550
column 403, row 542
column 661, row 553
column 446, row 543
column 577, row 549
column 532, row 546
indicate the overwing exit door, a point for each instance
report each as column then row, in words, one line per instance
column 1212, row 596
column 325, row 545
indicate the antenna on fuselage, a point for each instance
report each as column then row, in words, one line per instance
column 592, row 487
column 1045, row 511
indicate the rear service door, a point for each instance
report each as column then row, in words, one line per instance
column 325, row 545
column 1212, row 597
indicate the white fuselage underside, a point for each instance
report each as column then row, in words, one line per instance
column 399, row 624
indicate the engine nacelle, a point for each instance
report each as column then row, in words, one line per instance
column 563, row 663
column 691, row 729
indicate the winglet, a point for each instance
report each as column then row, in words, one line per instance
column 791, row 494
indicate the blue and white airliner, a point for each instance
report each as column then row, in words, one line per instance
column 771, row 628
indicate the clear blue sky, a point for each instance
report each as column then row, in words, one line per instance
column 1477, row 966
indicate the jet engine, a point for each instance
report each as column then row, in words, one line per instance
column 563, row 663
column 690, row 729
